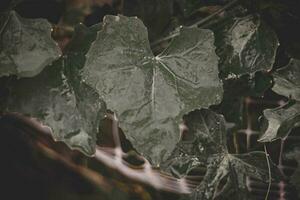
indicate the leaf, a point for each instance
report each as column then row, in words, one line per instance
column 287, row 80
column 26, row 46
column 205, row 145
column 151, row 93
column 245, row 45
column 205, row 137
column 59, row 98
column 72, row 115
column 278, row 122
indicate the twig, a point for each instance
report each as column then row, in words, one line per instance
column 164, row 39
column 195, row 24
column 214, row 14
column 4, row 25
column 235, row 142
column 269, row 169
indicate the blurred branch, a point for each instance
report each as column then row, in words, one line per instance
column 197, row 24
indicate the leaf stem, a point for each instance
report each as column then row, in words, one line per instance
column 235, row 142
column 4, row 25
column 198, row 23
column 270, row 175
column 214, row 14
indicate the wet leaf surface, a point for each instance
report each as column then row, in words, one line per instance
column 111, row 67
column 21, row 41
column 245, row 45
column 205, row 145
column 150, row 94
column 51, row 99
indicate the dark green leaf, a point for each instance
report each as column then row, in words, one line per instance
column 245, row 45
column 205, row 145
column 278, row 122
column 26, row 47
column 49, row 98
column 287, row 80
column 206, row 137
column 150, row 94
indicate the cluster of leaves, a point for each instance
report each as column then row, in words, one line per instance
column 199, row 80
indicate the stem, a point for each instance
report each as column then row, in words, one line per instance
column 235, row 142
column 155, row 43
column 214, row 14
column 280, row 166
column 4, row 25
column 269, row 169
column 195, row 24
column 115, row 131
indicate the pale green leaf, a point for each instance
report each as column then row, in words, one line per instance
column 151, row 93
column 278, row 122
column 287, row 80
column 26, row 46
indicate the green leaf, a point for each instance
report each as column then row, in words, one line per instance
column 59, row 98
column 26, row 46
column 206, row 137
column 205, row 145
column 287, row 80
column 278, row 122
column 50, row 98
column 245, row 45
column 151, row 93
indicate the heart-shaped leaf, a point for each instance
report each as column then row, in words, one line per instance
column 151, row 93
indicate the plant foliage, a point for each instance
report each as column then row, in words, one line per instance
column 196, row 110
